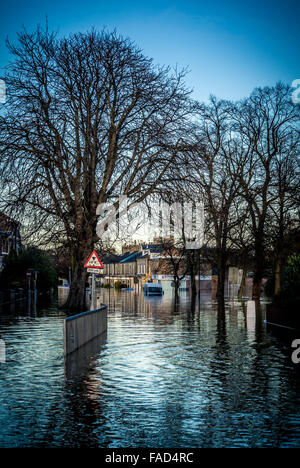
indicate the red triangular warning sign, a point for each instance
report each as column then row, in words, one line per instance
column 93, row 261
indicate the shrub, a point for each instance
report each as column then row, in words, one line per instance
column 119, row 285
column 269, row 287
column 291, row 274
column 16, row 266
column 290, row 287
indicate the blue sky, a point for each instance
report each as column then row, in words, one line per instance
column 230, row 46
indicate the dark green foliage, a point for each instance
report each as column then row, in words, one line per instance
column 290, row 284
column 291, row 275
column 269, row 287
column 119, row 285
column 14, row 273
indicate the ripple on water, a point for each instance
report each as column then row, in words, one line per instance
column 161, row 378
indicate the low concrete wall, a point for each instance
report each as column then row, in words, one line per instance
column 81, row 328
column 82, row 359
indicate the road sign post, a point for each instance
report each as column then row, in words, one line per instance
column 94, row 297
column 97, row 271
column 94, row 266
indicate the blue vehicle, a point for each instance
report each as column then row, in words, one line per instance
column 153, row 289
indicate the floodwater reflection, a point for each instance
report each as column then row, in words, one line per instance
column 166, row 375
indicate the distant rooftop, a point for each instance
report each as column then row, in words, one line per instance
column 113, row 258
column 132, row 257
column 153, row 247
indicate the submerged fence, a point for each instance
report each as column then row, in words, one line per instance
column 80, row 329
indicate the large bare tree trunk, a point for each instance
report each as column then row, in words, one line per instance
column 192, row 267
column 77, row 298
column 176, row 288
column 257, row 282
column 258, row 267
column 221, row 280
column 242, row 285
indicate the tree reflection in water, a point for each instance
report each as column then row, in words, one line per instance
column 168, row 374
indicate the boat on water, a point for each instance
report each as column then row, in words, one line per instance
column 153, row 289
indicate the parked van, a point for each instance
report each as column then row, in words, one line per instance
column 151, row 289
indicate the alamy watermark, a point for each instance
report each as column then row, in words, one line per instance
column 2, row 92
column 296, row 93
column 296, row 353
column 181, row 220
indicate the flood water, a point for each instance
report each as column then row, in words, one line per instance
column 164, row 376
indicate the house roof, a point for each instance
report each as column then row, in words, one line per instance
column 153, row 247
column 132, row 257
column 128, row 257
column 112, row 258
column 144, row 257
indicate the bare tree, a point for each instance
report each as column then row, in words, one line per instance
column 88, row 118
column 214, row 173
column 241, row 242
column 268, row 122
column 283, row 217
column 174, row 262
